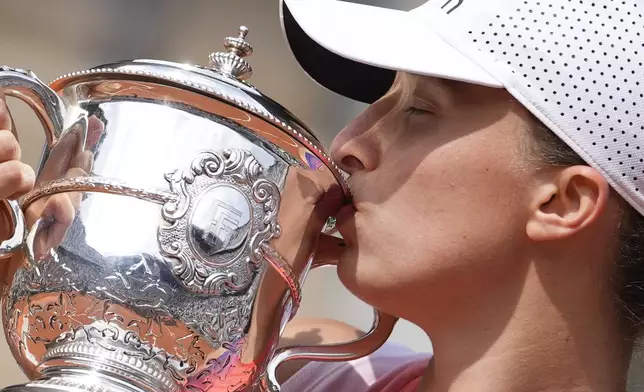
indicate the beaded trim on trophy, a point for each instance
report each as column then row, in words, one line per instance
column 283, row 268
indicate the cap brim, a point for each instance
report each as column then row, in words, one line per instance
column 355, row 50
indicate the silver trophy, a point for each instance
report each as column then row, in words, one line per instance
column 171, row 227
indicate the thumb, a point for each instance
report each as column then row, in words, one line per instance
column 329, row 249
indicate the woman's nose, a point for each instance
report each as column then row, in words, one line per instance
column 355, row 148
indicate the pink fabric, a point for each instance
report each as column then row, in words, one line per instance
column 390, row 369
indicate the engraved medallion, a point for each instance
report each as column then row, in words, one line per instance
column 223, row 213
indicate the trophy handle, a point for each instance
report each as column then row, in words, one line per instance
column 381, row 328
column 50, row 110
column 8, row 247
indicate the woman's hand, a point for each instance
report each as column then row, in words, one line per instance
column 16, row 178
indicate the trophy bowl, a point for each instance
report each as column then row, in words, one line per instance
column 173, row 221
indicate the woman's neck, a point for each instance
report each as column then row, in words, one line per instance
column 555, row 337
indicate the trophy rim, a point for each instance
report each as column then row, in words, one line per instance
column 205, row 81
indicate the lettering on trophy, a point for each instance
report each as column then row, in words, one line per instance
column 221, row 232
column 220, row 221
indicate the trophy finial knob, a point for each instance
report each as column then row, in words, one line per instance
column 243, row 31
column 231, row 62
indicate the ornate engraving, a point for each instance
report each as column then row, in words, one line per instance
column 214, row 229
column 66, row 328
column 134, row 282
column 224, row 373
column 104, row 346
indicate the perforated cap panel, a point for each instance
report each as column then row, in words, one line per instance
column 576, row 64
column 579, row 65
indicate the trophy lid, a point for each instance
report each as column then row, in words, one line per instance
column 225, row 78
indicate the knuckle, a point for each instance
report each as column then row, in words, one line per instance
column 15, row 175
column 11, row 174
column 9, row 146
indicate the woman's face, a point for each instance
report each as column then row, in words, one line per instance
column 441, row 185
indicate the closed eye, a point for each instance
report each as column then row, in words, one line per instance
column 415, row 110
column 420, row 106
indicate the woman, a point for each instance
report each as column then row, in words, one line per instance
column 497, row 179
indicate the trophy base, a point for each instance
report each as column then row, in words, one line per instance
column 101, row 358
column 74, row 380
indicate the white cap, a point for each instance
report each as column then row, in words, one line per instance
column 577, row 65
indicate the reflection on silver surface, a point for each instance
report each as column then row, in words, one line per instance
column 220, row 222
column 169, row 230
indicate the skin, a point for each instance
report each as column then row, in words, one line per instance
column 505, row 265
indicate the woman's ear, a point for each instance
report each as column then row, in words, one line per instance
column 569, row 201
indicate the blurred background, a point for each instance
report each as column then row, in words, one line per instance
column 56, row 37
